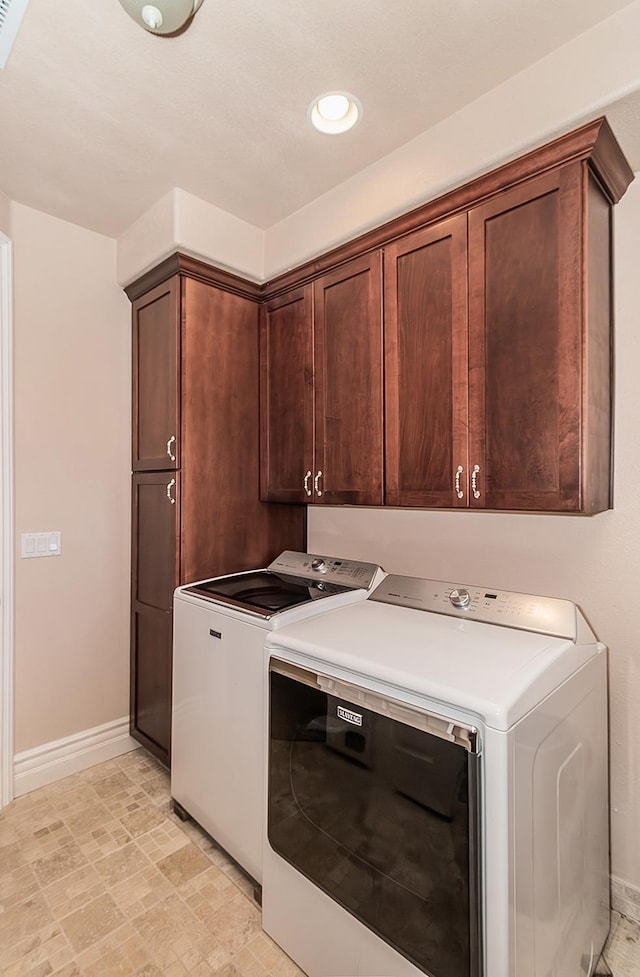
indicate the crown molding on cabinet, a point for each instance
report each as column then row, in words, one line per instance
column 593, row 142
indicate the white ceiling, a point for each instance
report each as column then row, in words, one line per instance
column 99, row 119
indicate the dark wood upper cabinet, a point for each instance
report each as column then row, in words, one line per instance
column 539, row 351
column 156, row 379
column 322, row 389
column 425, row 280
column 286, row 397
column 348, row 354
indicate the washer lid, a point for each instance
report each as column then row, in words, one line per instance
column 495, row 673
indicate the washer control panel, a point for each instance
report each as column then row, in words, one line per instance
column 312, row 566
column 545, row 615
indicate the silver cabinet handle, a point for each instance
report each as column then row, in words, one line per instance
column 316, row 483
column 306, row 482
column 169, row 487
column 474, row 481
column 172, row 440
column 459, row 492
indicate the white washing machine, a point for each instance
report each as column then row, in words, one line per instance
column 437, row 787
column 217, row 746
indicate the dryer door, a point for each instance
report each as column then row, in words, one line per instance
column 377, row 803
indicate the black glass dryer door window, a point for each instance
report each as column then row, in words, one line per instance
column 382, row 817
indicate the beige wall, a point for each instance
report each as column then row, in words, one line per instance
column 594, row 561
column 5, row 215
column 72, row 463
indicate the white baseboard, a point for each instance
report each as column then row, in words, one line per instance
column 625, row 898
column 53, row 761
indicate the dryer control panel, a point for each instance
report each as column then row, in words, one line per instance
column 545, row 615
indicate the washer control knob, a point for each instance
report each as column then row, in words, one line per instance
column 318, row 564
column 460, row 598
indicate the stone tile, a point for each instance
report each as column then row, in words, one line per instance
column 73, row 891
column 120, row 954
column 59, row 863
column 139, row 765
column 101, row 841
column 16, row 887
column 45, row 839
column 46, row 952
column 113, row 783
column 142, row 821
column 235, row 923
column 158, row 789
column 11, row 858
column 24, row 919
column 182, row 865
column 149, row 970
column 162, row 840
column 122, row 864
column 71, row 796
column 83, row 821
column 92, row 922
column 141, row 892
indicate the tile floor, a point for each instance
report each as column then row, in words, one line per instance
column 98, row 878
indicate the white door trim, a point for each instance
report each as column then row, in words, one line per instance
column 6, row 518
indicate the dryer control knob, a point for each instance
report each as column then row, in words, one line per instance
column 318, row 564
column 460, row 598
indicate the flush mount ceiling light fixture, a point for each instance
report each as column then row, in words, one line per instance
column 334, row 112
column 161, row 16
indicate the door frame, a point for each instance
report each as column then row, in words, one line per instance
column 6, row 522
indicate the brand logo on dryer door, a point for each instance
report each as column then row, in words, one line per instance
column 355, row 718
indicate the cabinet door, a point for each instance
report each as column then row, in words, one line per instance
column 155, row 521
column 151, row 675
column 525, row 345
column 348, row 390
column 286, row 397
column 156, row 339
column 155, row 525
column 426, row 366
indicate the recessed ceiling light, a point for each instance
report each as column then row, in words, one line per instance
column 334, row 112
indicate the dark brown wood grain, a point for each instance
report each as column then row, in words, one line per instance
column 183, row 264
column 151, row 679
column 155, row 521
column 425, row 276
column 224, row 525
column 155, row 574
column 593, row 141
column 286, row 396
column 217, row 524
column 349, row 408
column 597, row 356
column 525, row 345
column 155, row 375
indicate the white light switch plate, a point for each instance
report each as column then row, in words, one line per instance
column 40, row 544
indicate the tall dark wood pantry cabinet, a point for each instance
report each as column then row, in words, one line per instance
column 195, row 506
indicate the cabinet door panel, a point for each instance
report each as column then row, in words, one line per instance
column 151, row 675
column 426, row 366
column 286, row 396
column 525, row 345
column 156, row 338
column 155, row 522
column 348, row 383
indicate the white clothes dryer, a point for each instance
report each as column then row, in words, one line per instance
column 437, row 787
